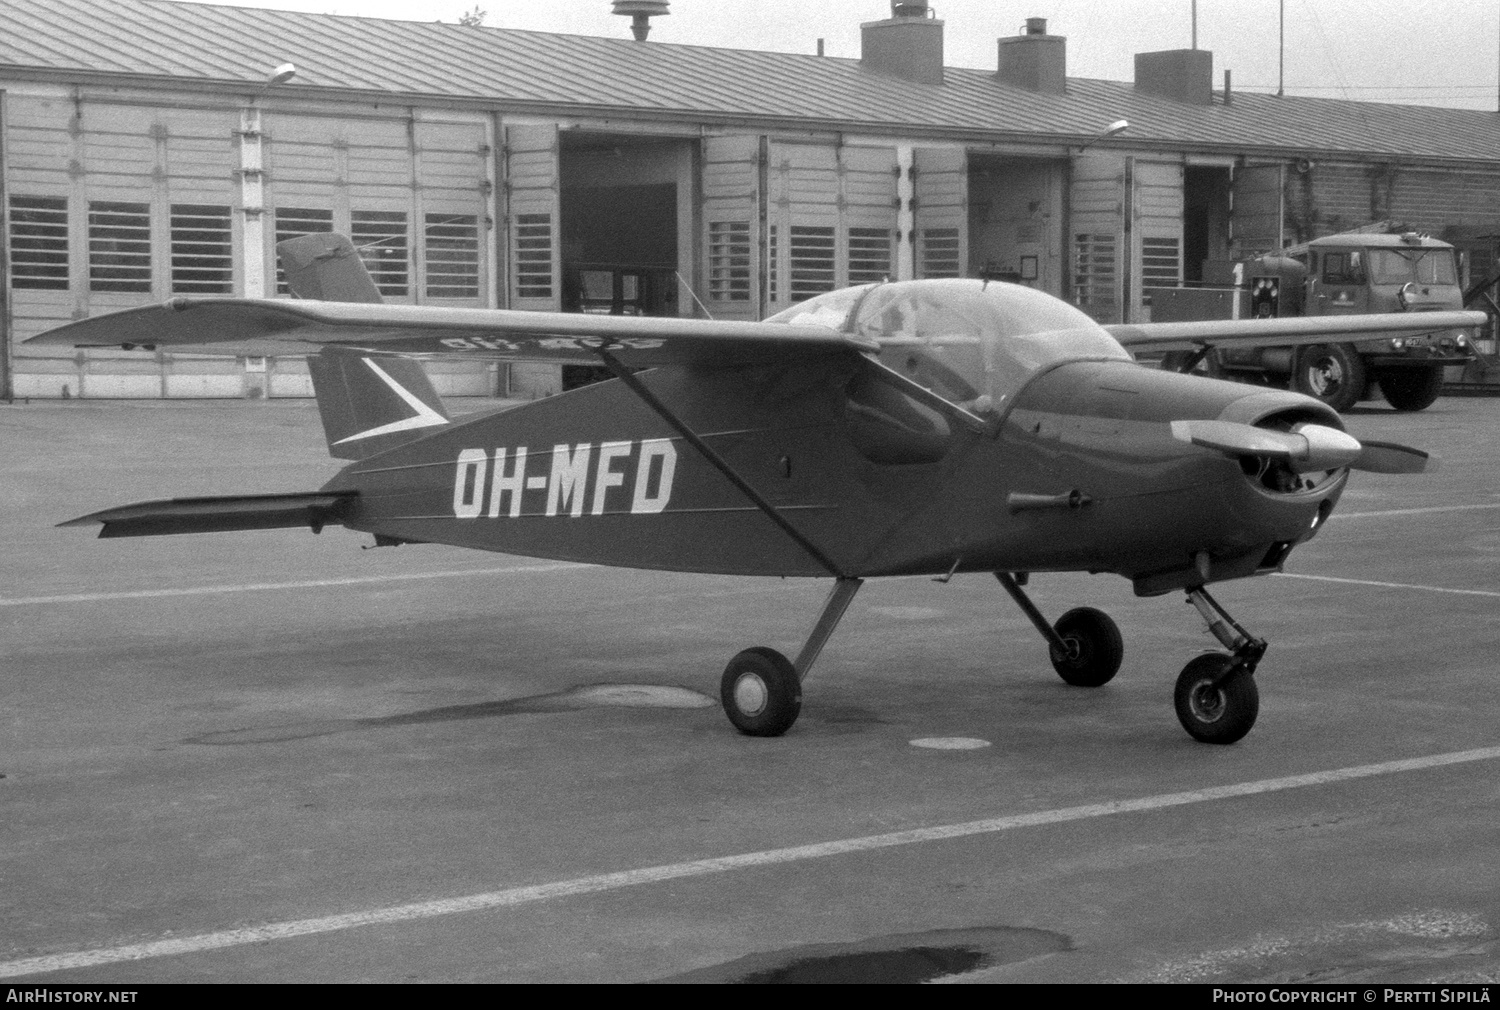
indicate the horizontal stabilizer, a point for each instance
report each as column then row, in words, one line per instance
column 220, row 515
column 327, row 267
column 1283, row 332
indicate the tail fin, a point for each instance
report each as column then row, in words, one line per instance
column 326, row 267
column 371, row 402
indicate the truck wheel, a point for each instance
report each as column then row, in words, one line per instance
column 1333, row 373
column 1411, row 388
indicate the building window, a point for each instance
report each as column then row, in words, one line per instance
column 869, row 255
column 380, row 237
column 940, row 248
column 452, row 250
column 812, row 256
column 39, row 242
column 1161, row 264
column 533, row 255
column 119, row 246
column 202, row 249
column 294, row 222
column 1094, row 275
column 729, row 261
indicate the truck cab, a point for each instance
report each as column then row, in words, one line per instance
column 1349, row 274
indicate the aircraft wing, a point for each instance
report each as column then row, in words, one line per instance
column 1283, row 332
column 273, row 326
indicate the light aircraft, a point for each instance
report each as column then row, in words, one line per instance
column 927, row 427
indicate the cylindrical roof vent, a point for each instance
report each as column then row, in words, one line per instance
column 906, row 9
column 1036, row 26
column 640, row 13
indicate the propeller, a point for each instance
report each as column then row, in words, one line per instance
column 1306, row 448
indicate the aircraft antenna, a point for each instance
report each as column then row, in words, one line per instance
column 683, row 281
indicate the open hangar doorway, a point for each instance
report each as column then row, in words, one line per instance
column 1016, row 220
column 1206, row 209
column 622, row 212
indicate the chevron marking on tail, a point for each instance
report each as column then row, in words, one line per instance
column 425, row 417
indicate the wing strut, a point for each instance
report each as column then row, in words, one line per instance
column 649, row 398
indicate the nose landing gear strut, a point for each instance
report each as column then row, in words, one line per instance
column 1216, row 697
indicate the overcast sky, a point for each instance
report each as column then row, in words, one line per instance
column 1431, row 52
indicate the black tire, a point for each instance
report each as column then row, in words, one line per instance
column 1173, row 361
column 1411, row 388
column 1096, row 647
column 1332, row 373
column 1221, row 712
column 761, row 692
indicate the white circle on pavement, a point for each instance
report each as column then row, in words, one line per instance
column 950, row 742
column 639, row 696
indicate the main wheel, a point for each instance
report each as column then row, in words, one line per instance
column 1333, row 373
column 1212, row 708
column 1411, row 388
column 761, row 692
column 1094, row 647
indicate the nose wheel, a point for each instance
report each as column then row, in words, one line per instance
column 1216, row 701
column 1216, row 697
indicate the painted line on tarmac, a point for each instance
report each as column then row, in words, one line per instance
column 252, row 587
column 1392, row 585
column 724, row 864
column 1413, row 512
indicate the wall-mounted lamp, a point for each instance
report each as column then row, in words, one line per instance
column 1114, row 129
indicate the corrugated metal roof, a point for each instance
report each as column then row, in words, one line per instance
column 596, row 76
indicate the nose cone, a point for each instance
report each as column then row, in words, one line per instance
column 1327, row 448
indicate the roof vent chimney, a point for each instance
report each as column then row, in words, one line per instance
column 1183, row 75
column 1035, row 60
column 640, row 13
column 908, row 44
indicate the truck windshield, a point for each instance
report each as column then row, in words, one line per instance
column 1425, row 266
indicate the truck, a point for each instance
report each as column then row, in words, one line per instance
column 1345, row 274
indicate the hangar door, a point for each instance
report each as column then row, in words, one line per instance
column 532, row 210
column 940, row 211
column 112, row 206
column 1097, row 230
column 411, row 193
column 1255, row 218
column 831, row 219
column 734, row 283
column 1157, row 205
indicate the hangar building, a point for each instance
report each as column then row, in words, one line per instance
column 150, row 149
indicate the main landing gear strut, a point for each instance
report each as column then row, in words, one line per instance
column 1216, row 697
column 762, row 690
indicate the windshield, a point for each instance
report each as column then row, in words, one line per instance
column 975, row 343
column 831, row 310
column 1425, row 266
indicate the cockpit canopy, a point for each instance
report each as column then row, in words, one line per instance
column 974, row 343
